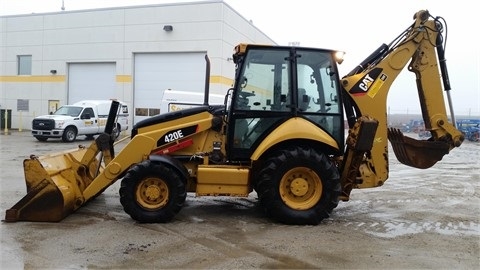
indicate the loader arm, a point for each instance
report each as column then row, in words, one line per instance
column 61, row 183
column 365, row 163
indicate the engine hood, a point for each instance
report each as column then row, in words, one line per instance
column 56, row 117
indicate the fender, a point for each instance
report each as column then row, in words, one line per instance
column 174, row 163
column 294, row 128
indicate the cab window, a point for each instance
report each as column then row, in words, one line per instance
column 87, row 113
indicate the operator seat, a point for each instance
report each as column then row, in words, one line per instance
column 303, row 100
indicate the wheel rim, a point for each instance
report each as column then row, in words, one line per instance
column 152, row 193
column 116, row 132
column 70, row 135
column 300, row 188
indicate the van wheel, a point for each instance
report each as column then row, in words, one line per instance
column 298, row 186
column 69, row 134
column 41, row 138
column 116, row 132
column 152, row 192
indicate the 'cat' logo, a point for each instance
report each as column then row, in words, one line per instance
column 362, row 86
column 366, row 82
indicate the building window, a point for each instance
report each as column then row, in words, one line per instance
column 24, row 64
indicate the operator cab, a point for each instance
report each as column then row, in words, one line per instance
column 274, row 84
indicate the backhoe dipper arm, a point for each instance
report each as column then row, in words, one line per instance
column 366, row 157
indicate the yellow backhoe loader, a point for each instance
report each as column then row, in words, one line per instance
column 280, row 133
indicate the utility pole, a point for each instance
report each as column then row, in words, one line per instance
column 63, row 5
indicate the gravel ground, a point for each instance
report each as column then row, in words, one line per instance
column 420, row 219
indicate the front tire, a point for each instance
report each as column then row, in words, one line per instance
column 69, row 134
column 152, row 192
column 41, row 138
column 298, row 186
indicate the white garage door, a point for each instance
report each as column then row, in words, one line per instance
column 91, row 81
column 155, row 72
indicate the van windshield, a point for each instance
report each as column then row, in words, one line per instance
column 69, row 110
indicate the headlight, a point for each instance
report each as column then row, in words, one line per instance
column 59, row 124
column 339, row 55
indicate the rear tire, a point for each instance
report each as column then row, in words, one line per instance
column 69, row 134
column 298, row 186
column 152, row 192
column 116, row 132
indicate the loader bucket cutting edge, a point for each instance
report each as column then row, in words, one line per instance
column 420, row 154
column 44, row 202
column 53, row 188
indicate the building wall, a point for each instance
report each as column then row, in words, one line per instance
column 112, row 35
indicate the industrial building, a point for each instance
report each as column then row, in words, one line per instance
column 127, row 53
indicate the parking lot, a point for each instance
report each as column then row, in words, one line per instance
column 420, row 219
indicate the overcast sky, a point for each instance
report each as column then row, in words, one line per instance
column 356, row 27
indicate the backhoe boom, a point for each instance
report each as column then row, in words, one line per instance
column 367, row 88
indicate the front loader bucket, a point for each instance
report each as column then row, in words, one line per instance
column 420, row 154
column 54, row 187
column 56, row 182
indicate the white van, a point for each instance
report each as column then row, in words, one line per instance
column 175, row 100
column 87, row 117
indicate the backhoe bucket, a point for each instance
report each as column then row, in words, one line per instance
column 54, row 187
column 420, row 154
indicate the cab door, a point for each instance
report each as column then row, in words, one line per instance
column 259, row 102
column 89, row 121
